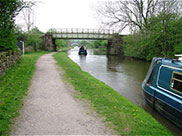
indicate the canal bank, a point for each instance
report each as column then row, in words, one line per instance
column 50, row 108
column 125, row 75
column 120, row 113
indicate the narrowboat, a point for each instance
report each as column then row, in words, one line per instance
column 162, row 88
column 82, row 51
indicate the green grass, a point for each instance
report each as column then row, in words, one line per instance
column 13, row 87
column 64, row 49
column 120, row 113
column 100, row 51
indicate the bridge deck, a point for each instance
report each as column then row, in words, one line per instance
column 81, row 33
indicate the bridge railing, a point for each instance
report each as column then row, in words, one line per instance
column 82, row 30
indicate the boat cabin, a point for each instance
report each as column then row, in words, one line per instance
column 163, row 88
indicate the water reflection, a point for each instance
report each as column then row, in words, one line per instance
column 125, row 75
column 128, row 75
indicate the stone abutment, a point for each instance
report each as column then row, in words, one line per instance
column 115, row 45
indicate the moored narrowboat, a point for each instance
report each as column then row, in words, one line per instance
column 163, row 88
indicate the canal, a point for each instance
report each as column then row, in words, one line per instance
column 125, row 75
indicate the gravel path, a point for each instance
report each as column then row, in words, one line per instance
column 50, row 108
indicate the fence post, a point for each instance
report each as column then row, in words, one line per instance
column 23, row 49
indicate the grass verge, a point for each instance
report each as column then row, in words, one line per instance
column 100, row 51
column 13, row 87
column 64, row 49
column 124, row 116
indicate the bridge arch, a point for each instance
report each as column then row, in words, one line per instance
column 74, row 44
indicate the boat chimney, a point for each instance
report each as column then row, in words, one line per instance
column 179, row 56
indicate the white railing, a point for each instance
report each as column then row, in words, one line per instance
column 82, row 30
column 81, row 33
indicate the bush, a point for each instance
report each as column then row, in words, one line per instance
column 135, row 46
column 8, row 10
column 7, row 40
column 162, row 39
column 34, row 40
column 98, row 43
column 61, row 43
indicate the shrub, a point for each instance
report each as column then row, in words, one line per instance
column 8, row 10
column 7, row 40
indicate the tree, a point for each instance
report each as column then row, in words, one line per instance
column 163, row 39
column 27, row 16
column 84, row 43
column 20, row 34
column 98, row 43
column 9, row 9
column 61, row 43
column 52, row 30
column 170, row 6
column 36, row 30
column 34, row 38
column 134, row 13
column 166, row 30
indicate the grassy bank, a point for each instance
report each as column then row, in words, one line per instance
column 124, row 116
column 64, row 49
column 100, row 51
column 13, row 87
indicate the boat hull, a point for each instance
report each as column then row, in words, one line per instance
column 164, row 109
column 82, row 53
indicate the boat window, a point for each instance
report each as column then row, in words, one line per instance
column 151, row 72
column 151, row 77
column 176, row 82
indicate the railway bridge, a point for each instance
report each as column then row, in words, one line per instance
column 114, row 39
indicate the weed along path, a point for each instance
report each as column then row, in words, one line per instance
column 50, row 108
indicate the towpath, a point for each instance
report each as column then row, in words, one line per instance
column 50, row 108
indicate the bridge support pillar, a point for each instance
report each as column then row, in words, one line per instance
column 114, row 45
column 48, row 43
column 109, row 46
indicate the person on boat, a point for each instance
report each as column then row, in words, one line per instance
column 82, row 51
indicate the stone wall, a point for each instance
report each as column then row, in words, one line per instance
column 7, row 59
column 47, row 43
column 114, row 45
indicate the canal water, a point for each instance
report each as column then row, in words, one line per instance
column 125, row 75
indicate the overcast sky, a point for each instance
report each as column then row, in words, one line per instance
column 64, row 14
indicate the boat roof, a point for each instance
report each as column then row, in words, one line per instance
column 170, row 62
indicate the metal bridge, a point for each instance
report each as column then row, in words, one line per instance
column 81, row 33
column 113, row 37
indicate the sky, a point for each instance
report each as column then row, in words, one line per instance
column 64, row 14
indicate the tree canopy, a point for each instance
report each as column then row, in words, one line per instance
column 135, row 13
column 155, row 26
column 8, row 10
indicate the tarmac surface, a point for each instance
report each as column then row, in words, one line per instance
column 51, row 109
